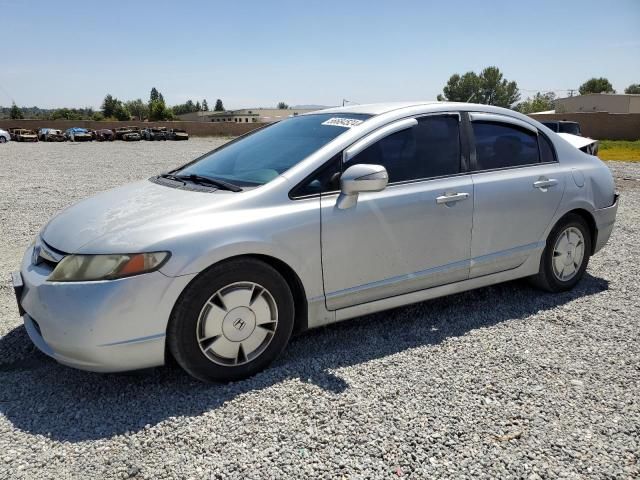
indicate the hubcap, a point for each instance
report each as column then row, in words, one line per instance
column 568, row 254
column 237, row 323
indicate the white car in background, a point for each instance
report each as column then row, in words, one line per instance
column 4, row 136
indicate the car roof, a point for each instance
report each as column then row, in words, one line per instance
column 382, row 108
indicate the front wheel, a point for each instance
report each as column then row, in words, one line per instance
column 232, row 321
column 566, row 255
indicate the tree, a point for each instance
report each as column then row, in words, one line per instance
column 218, row 107
column 137, row 108
column 489, row 87
column 198, row 107
column 282, row 106
column 205, row 105
column 15, row 113
column 121, row 113
column 109, row 105
column 596, row 85
column 463, row 88
column 634, row 88
column 159, row 111
column 97, row 117
column 540, row 102
column 154, row 95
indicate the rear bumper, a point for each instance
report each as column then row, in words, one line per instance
column 605, row 219
column 105, row 326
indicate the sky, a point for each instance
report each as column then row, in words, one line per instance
column 257, row 53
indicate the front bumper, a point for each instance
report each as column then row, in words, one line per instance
column 104, row 326
column 605, row 219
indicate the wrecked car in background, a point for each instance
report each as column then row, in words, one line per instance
column 121, row 132
column 155, row 133
column 50, row 135
column 23, row 135
column 177, row 134
column 563, row 126
column 104, row 135
column 77, row 134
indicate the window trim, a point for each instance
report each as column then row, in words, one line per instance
column 465, row 153
column 499, row 120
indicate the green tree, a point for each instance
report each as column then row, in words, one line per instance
column 137, row 108
column 154, row 95
column 109, row 105
column 489, row 87
column 121, row 113
column 15, row 113
column 282, row 106
column 159, row 111
column 596, row 85
column 218, row 106
column 463, row 88
column 198, row 107
column 205, row 105
column 540, row 102
column 634, row 88
column 97, row 117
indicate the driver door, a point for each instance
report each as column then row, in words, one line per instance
column 414, row 234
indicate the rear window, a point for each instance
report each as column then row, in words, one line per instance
column 499, row 145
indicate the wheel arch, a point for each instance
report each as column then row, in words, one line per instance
column 589, row 220
column 301, row 318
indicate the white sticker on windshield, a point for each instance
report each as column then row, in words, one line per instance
column 343, row 122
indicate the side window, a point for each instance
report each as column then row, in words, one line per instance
column 546, row 149
column 325, row 179
column 499, row 145
column 429, row 149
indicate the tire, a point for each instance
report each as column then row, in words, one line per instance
column 3, row 140
column 566, row 255
column 215, row 331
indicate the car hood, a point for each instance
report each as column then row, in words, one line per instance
column 132, row 218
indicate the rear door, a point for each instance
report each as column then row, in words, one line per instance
column 518, row 186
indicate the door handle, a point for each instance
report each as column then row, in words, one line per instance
column 544, row 183
column 451, row 197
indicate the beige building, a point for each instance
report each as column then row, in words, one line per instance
column 245, row 115
column 599, row 102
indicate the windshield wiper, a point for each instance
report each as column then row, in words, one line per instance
column 171, row 176
column 209, row 181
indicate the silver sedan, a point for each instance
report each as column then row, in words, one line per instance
column 316, row 219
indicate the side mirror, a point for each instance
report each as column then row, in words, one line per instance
column 360, row 178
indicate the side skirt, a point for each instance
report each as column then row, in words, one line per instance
column 319, row 316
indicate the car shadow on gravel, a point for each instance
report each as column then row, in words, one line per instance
column 41, row 397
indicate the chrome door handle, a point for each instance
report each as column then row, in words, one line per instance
column 451, row 197
column 545, row 183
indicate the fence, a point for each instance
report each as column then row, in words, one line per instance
column 601, row 125
column 196, row 129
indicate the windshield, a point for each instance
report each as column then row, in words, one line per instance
column 265, row 154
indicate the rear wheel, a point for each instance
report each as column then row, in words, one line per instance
column 3, row 140
column 566, row 255
column 232, row 321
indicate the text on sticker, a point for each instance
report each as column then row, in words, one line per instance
column 343, row 122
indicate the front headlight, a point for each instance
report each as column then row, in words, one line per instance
column 85, row 268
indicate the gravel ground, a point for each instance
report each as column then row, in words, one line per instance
column 502, row 382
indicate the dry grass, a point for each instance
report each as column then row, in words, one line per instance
column 621, row 150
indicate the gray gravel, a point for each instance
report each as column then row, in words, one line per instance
column 502, row 382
